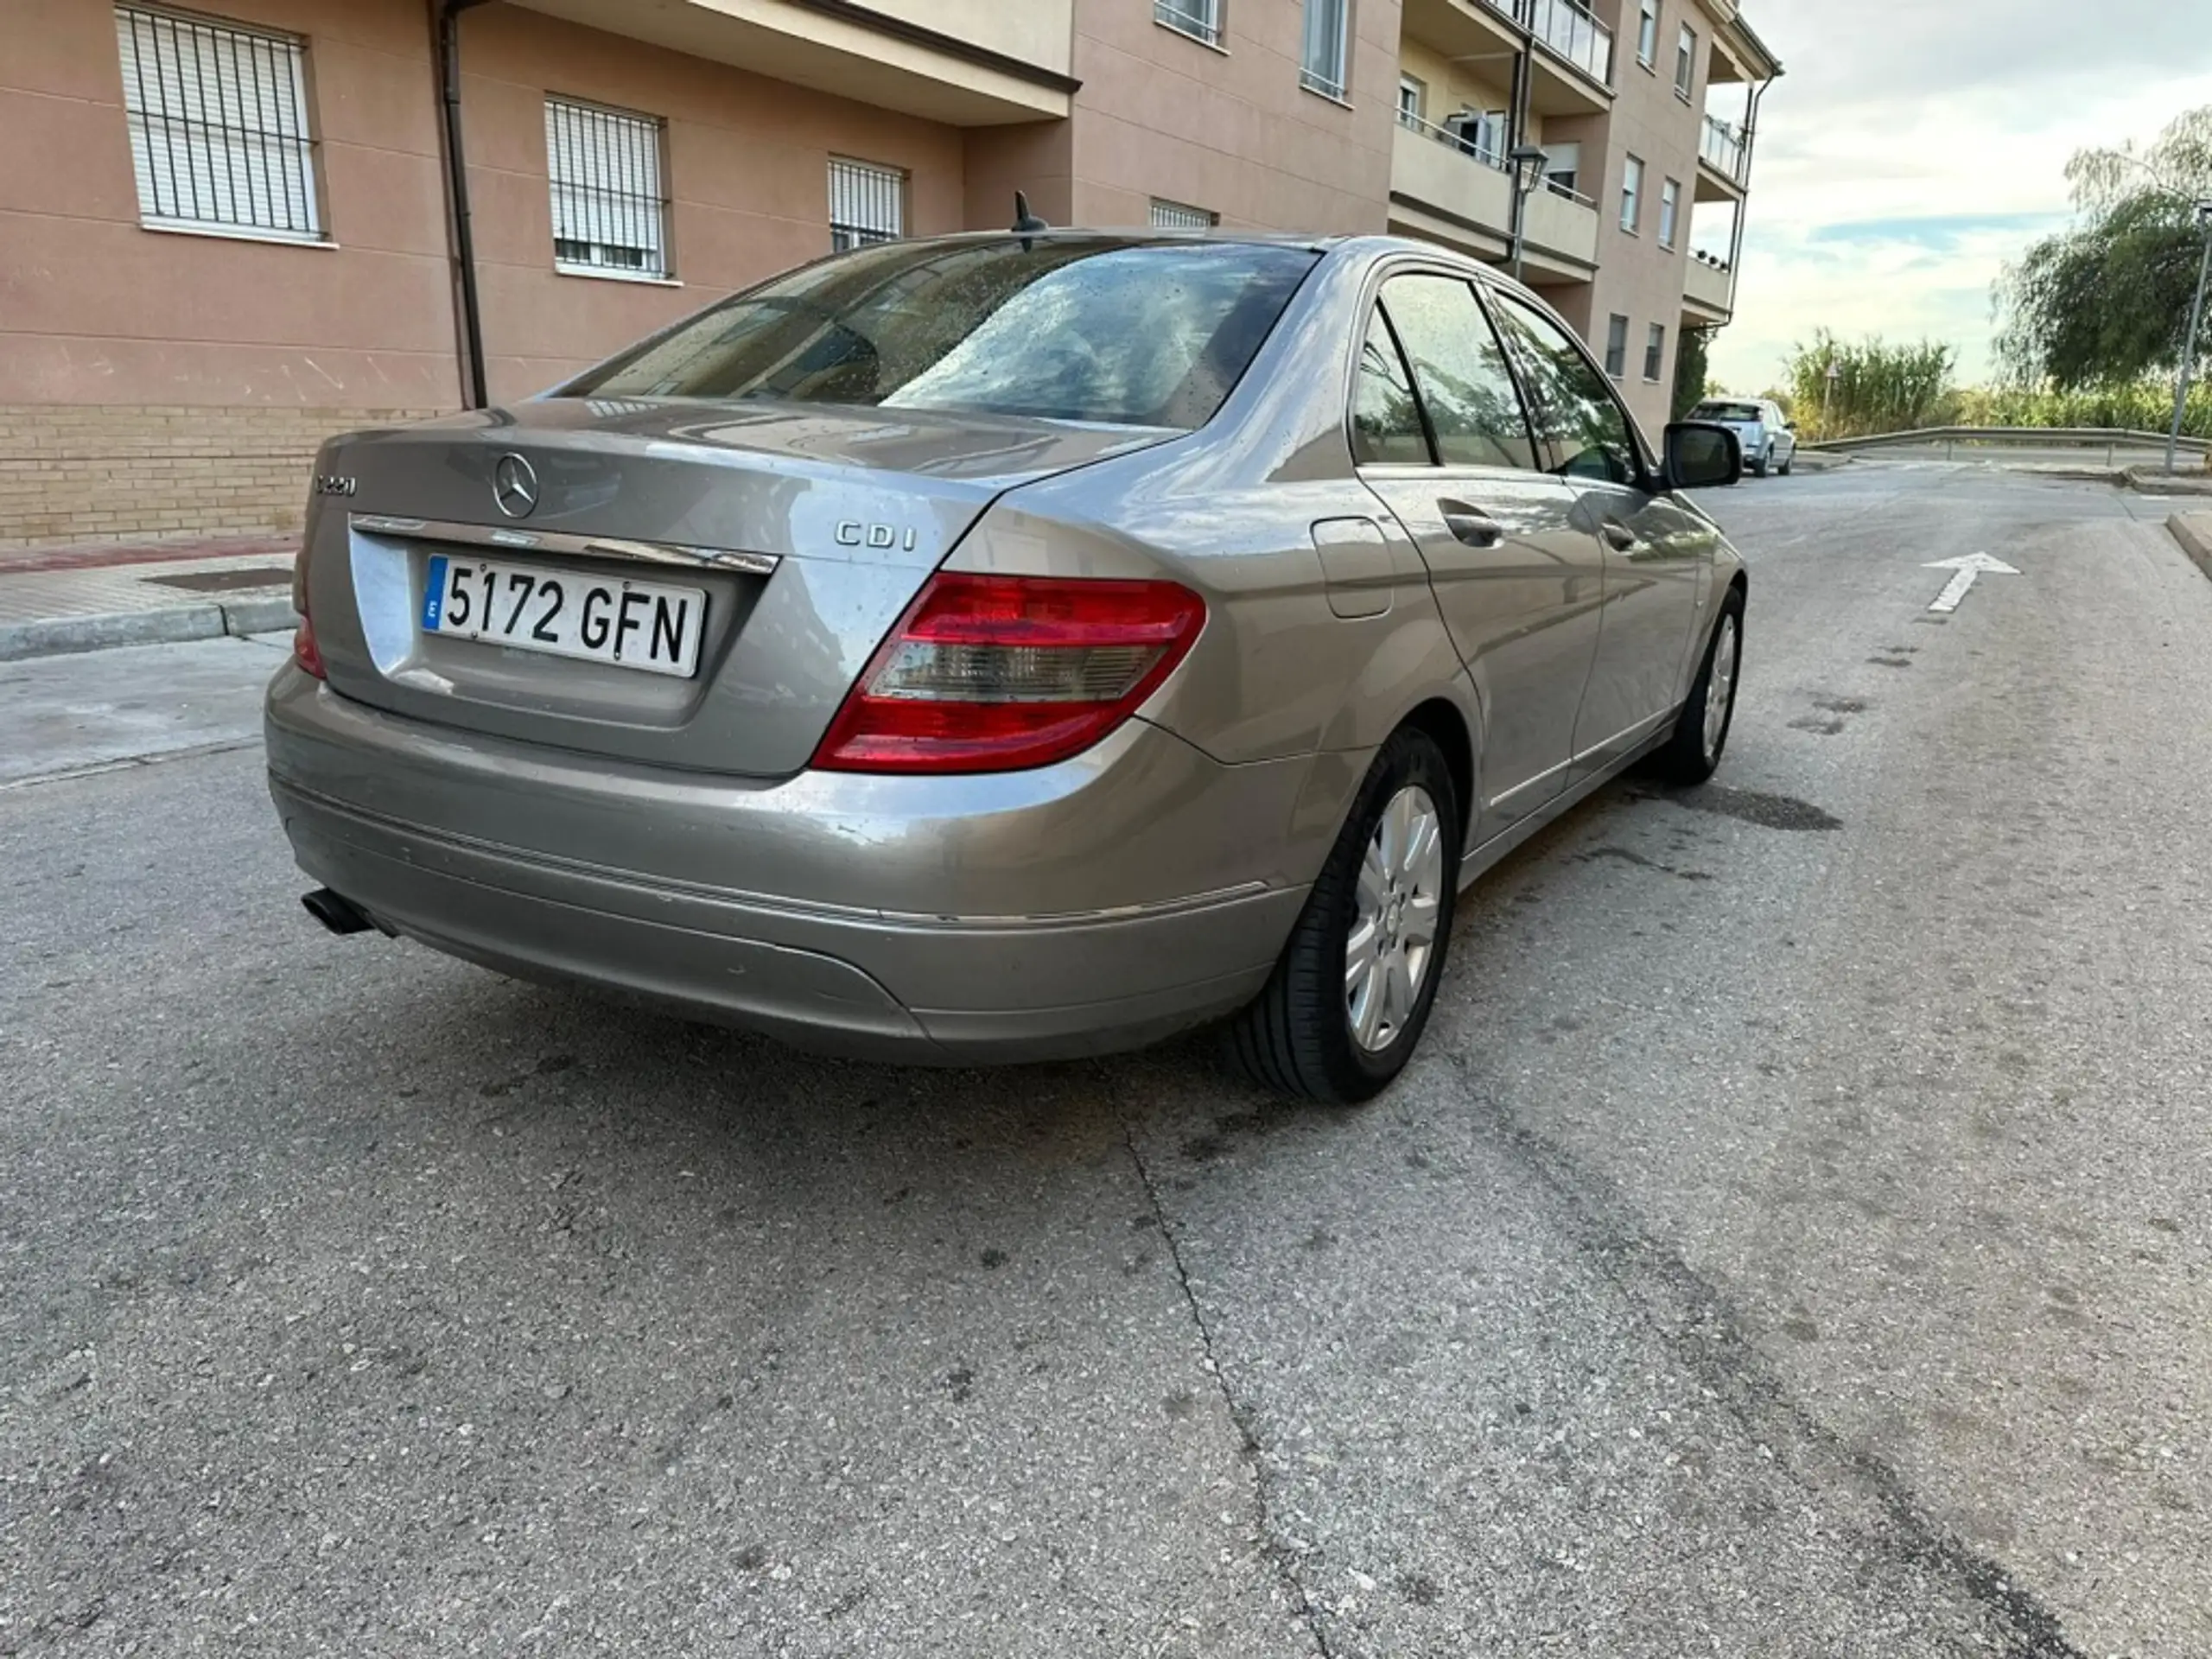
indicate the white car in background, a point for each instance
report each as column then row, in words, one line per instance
column 1770, row 445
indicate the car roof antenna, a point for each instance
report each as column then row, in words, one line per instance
column 1026, row 224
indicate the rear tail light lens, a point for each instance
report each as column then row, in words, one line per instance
column 1000, row 673
column 305, row 651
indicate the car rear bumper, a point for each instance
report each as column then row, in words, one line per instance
column 1077, row 909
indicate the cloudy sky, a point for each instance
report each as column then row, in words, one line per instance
column 1915, row 146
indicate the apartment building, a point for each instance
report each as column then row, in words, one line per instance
column 227, row 231
column 1632, row 125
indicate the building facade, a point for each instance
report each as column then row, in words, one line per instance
column 225, row 232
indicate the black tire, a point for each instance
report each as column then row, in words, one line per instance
column 1784, row 470
column 1687, row 757
column 1297, row 1039
column 1759, row 467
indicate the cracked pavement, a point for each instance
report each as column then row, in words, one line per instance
column 1792, row 1240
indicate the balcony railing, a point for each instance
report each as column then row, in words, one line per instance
column 1483, row 142
column 1723, row 151
column 1568, row 28
column 1469, row 140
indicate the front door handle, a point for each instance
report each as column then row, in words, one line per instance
column 1475, row 527
column 1618, row 537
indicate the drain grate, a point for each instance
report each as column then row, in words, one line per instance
column 226, row 582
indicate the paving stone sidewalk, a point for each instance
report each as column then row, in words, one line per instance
column 88, row 597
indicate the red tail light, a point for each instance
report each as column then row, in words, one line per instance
column 305, row 651
column 1000, row 673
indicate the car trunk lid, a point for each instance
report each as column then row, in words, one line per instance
column 808, row 528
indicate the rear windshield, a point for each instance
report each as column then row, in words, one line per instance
column 1727, row 412
column 1072, row 328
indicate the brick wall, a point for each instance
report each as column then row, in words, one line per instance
column 98, row 473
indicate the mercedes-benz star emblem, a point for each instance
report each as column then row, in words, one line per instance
column 514, row 487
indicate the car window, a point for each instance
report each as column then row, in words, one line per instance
column 1459, row 370
column 1385, row 419
column 1065, row 328
column 1728, row 412
column 1583, row 430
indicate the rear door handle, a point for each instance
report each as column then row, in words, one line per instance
column 1618, row 537
column 1466, row 524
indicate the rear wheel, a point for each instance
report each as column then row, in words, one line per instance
column 1784, row 469
column 1350, row 994
column 1759, row 467
column 1693, row 753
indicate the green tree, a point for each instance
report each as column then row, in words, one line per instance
column 2105, row 302
column 1692, row 359
column 1874, row 386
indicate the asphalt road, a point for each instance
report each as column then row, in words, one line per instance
column 1796, row 1238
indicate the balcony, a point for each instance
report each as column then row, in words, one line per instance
column 1724, row 162
column 1575, row 72
column 1451, row 187
column 967, row 63
column 1708, row 289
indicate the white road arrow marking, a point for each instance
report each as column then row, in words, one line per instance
column 1969, row 569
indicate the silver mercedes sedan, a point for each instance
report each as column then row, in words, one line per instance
column 1008, row 647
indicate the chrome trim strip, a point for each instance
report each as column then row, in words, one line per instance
column 552, row 541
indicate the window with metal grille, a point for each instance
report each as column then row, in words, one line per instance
column 610, row 216
column 218, row 126
column 867, row 203
column 1180, row 216
column 1322, row 64
column 1200, row 19
column 1654, row 350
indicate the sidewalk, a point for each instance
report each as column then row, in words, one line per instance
column 89, row 597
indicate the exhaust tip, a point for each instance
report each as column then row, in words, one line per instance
column 335, row 912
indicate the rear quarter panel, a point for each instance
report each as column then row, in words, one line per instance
column 1230, row 510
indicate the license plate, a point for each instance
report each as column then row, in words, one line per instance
column 644, row 624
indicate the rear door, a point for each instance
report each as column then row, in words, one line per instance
column 1440, row 436
column 1658, row 556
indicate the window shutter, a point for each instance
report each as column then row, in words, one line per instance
column 1180, row 216
column 867, row 203
column 218, row 126
column 609, row 212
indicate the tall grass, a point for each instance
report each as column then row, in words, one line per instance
column 1847, row 389
column 2145, row 407
column 1879, row 387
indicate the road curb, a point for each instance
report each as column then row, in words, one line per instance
column 58, row 635
column 2148, row 480
column 2194, row 531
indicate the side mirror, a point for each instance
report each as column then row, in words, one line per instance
column 1702, row 456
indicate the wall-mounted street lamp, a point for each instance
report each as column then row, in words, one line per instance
column 1528, row 165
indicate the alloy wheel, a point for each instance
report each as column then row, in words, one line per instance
column 1392, row 944
column 1720, row 686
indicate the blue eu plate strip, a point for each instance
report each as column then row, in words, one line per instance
column 433, row 593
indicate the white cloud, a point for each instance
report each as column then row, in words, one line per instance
column 1913, row 148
